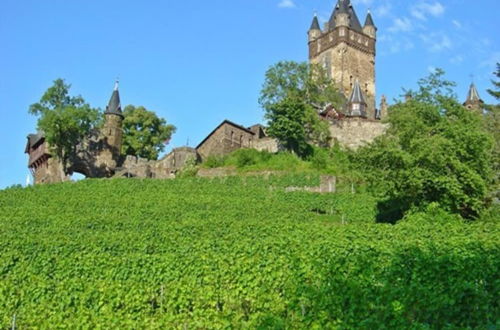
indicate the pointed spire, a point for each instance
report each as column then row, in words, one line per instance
column 357, row 94
column 315, row 24
column 369, row 19
column 354, row 21
column 473, row 95
column 356, row 106
column 114, row 106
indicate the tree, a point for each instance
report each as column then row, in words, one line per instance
column 291, row 97
column 492, row 124
column 435, row 151
column 144, row 133
column 65, row 120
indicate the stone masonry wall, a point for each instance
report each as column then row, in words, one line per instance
column 356, row 132
column 226, row 139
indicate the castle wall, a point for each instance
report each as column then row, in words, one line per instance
column 51, row 171
column 268, row 144
column 224, row 140
column 353, row 133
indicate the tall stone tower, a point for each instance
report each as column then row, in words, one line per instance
column 112, row 130
column 347, row 51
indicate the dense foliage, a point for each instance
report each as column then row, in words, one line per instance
column 144, row 133
column 291, row 97
column 236, row 253
column 492, row 124
column 64, row 119
column 436, row 151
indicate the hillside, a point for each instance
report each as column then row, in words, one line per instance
column 236, row 252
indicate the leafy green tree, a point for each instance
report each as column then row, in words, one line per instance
column 492, row 123
column 436, row 151
column 291, row 97
column 144, row 133
column 64, row 119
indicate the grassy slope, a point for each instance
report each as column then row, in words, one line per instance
column 212, row 253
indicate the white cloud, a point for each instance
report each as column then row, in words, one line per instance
column 363, row 2
column 401, row 25
column 457, row 59
column 437, row 42
column 424, row 9
column 383, row 10
column 457, row 24
column 287, row 4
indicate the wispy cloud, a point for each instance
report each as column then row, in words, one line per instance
column 457, row 24
column 424, row 9
column 457, row 59
column 383, row 10
column 364, row 2
column 401, row 25
column 287, row 4
column 437, row 42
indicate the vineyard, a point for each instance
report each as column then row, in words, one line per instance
column 237, row 252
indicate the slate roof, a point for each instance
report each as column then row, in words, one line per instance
column 114, row 106
column 315, row 24
column 345, row 7
column 473, row 95
column 34, row 139
column 369, row 20
column 357, row 94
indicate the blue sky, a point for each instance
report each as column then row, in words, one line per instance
column 198, row 62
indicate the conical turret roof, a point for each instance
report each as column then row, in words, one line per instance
column 357, row 94
column 114, row 106
column 369, row 20
column 315, row 24
column 473, row 95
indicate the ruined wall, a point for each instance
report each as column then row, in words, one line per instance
column 51, row 171
column 356, row 132
column 164, row 168
column 226, row 139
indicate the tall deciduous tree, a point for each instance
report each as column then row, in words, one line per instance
column 492, row 122
column 291, row 97
column 436, row 151
column 64, row 119
column 144, row 133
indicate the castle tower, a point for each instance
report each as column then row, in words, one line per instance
column 473, row 101
column 347, row 51
column 112, row 130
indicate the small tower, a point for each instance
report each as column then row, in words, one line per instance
column 382, row 113
column 315, row 31
column 369, row 29
column 112, row 130
column 473, row 101
column 356, row 106
column 340, row 16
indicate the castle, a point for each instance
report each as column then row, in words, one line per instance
column 344, row 48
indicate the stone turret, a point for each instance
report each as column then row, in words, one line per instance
column 370, row 29
column 356, row 106
column 315, row 31
column 382, row 113
column 473, row 101
column 112, row 130
column 340, row 16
